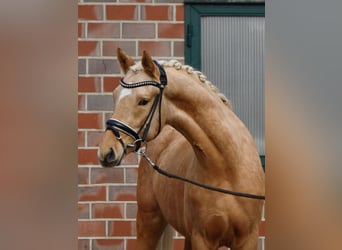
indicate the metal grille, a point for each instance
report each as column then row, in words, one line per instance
column 232, row 51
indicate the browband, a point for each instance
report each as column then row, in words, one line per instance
column 162, row 78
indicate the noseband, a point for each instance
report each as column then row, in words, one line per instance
column 117, row 126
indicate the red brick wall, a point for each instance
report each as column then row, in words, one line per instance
column 107, row 206
column 107, row 201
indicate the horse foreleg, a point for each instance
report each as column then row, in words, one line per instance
column 150, row 226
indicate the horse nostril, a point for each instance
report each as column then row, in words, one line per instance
column 110, row 156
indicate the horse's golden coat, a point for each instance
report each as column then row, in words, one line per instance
column 201, row 139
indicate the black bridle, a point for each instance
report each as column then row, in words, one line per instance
column 116, row 126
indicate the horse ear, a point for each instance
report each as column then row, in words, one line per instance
column 148, row 65
column 124, row 60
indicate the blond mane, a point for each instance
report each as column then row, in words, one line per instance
column 190, row 70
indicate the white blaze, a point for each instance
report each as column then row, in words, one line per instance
column 124, row 92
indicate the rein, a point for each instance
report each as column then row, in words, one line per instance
column 220, row 190
column 115, row 126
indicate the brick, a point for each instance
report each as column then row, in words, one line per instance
column 83, row 244
column 110, row 47
column 131, row 210
column 162, row 13
column 131, row 175
column 181, row 60
column 92, row 193
column 138, row 30
column 107, row 175
column 88, row 48
column 105, row 210
column 121, row 12
column 178, row 244
column 81, row 102
column 178, row 49
column 132, row 244
column 155, row 48
column 87, row 156
column 81, row 139
column 89, row 84
column 110, row 83
column 83, row 175
column 108, row 244
column 180, row 13
column 103, row 66
column 171, row 30
column 94, row 138
column 103, row 30
column 83, row 211
column 91, row 228
column 82, row 66
column 122, row 193
column 122, row 228
column 90, row 12
column 100, row 103
column 89, row 120
column 262, row 230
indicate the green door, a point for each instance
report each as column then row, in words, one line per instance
column 226, row 42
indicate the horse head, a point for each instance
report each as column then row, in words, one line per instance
column 137, row 114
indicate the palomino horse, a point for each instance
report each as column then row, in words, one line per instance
column 191, row 131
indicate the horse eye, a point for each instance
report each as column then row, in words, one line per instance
column 143, row 102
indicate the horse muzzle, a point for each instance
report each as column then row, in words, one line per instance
column 108, row 158
column 108, row 154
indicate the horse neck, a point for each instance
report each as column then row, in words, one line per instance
column 200, row 115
